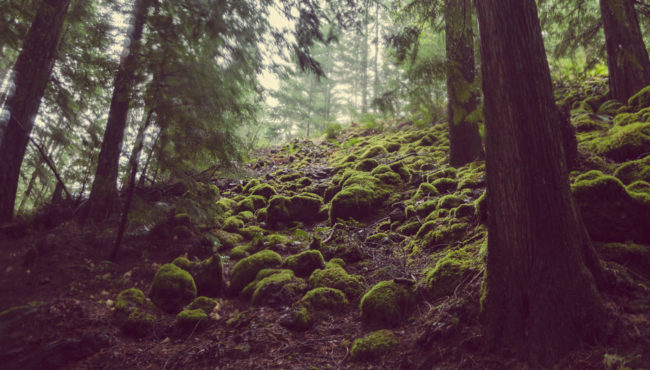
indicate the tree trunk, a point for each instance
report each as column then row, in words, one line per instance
column 364, row 64
column 28, row 191
column 31, row 74
column 627, row 57
column 540, row 295
column 375, row 85
column 464, row 111
column 104, row 189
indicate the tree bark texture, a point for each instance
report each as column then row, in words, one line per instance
column 464, row 111
column 627, row 57
column 104, row 188
column 540, row 298
column 31, row 74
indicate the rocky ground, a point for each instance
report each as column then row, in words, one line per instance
column 361, row 251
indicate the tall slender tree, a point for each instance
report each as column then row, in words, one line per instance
column 463, row 94
column 627, row 57
column 104, row 188
column 541, row 297
column 31, row 74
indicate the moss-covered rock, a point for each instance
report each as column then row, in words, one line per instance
column 361, row 195
column 325, row 299
column 208, row 276
column 609, row 211
column 632, row 255
column 206, row 304
column 274, row 287
column 449, row 201
column 639, row 187
column 373, row 346
column 228, row 240
column 445, row 234
column 641, row 99
column 445, row 185
column 250, row 185
column 387, row 304
column 409, row 228
column 480, row 205
column 127, row 301
column 304, row 263
column 622, row 143
column 172, row 288
column 233, row 224
column 632, row 171
column 240, row 251
column 335, row 276
column 246, row 269
column 264, row 190
column 425, row 190
column 425, row 208
column 448, row 273
column 303, row 207
column 374, row 151
column 191, row 320
column 251, row 203
column 225, row 205
column 366, row 165
column 610, row 107
column 297, row 319
column 138, row 324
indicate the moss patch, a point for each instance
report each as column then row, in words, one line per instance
column 610, row 212
column 246, row 270
column 373, row 346
column 274, row 287
column 387, row 304
column 325, row 299
column 303, row 207
column 304, row 263
column 624, row 142
column 172, row 288
column 447, row 274
column 189, row 320
column 335, row 276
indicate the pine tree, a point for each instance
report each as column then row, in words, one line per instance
column 31, row 74
column 627, row 57
column 540, row 297
column 463, row 95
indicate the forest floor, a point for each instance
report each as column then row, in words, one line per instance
column 59, row 290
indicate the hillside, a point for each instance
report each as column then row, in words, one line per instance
column 362, row 251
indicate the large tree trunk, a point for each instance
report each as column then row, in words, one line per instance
column 31, row 74
column 627, row 57
column 104, row 189
column 541, row 298
column 464, row 112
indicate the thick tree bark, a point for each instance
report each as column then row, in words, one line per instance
column 104, row 188
column 627, row 57
column 31, row 74
column 540, row 295
column 463, row 93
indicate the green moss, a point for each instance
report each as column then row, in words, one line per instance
column 264, row 190
column 410, row 212
column 426, row 228
column 445, row 234
column 641, row 99
column 246, row 270
column 335, row 276
column 373, row 346
column 378, row 239
column 623, row 142
column 449, row 201
column 624, row 119
column 393, row 147
column 632, row 255
column 448, row 273
column 226, row 204
column 303, row 207
column 202, row 303
column 188, row 320
column 639, row 187
column 480, row 205
column 227, row 240
column 172, row 288
column 366, row 165
column 289, row 177
column 246, row 216
column 325, row 299
column 610, row 107
column 275, row 287
column 250, row 185
column 409, row 228
column 387, row 304
column 233, row 224
column 304, row 263
column 448, row 172
column 129, row 300
column 252, row 232
column 138, row 324
column 609, row 211
column 425, row 190
column 208, row 275
column 251, row 203
column 400, row 169
column 632, row 171
column 425, row 208
column 299, row 319
column 427, row 140
column 374, row 151
column 181, row 233
column 183, row 263
column 445, row 185
column 239, row 252
column 361, row 195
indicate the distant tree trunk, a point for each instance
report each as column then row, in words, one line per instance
column 364, row 64
column 31, row 74
column 104, row 189
column 627, row 57
column 375, row 85
column 541, row 297
column 464, row 112
column 143, row 175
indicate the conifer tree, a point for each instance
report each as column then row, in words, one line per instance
column 31, row 74
column 541, row 297
column 627, row 57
